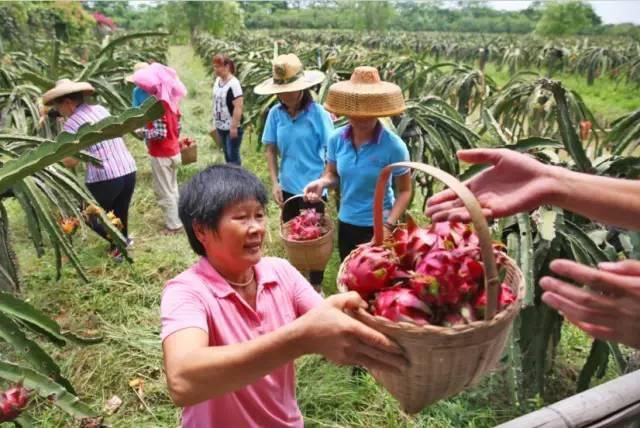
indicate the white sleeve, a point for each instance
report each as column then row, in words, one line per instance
column 236, row 89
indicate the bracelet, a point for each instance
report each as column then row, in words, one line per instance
column 389, row 226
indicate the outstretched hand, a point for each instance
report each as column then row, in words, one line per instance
column 332, row 332
column 609, row 310
column 514, row 183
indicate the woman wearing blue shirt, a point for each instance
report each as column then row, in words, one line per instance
column 358, row 152
column 296, row 133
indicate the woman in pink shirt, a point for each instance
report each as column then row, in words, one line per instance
column 233, row 323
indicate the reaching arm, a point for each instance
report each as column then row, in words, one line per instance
column 197, row 372
column 517, row 183
column 329, row 180
column 612, row 201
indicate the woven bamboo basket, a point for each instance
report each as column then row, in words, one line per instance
column 312, row 255
column 445, row 360
column 189, row 154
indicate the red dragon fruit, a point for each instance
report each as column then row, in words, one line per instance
column 505, row 298
column 454, row 235
column 12, row 402
column 369, row 269
column 402, row 304
column 306, row 226
column 456, row 273
column 412, row 243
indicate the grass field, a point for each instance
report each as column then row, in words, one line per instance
column 122, row 304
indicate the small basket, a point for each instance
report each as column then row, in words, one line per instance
column 445, row 360
column 189, row 154
column 312, row 255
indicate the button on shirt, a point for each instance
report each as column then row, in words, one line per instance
column 116, row 159
column 301, row 143
column 201, row 298
column 359, row 169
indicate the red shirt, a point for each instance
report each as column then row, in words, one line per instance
column 163, row 134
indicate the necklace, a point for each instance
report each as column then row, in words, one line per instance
column 243, row 284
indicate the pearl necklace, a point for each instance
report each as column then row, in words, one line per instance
column 243, row 284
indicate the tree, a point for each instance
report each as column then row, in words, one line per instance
column 215, row 17
column 567, row 17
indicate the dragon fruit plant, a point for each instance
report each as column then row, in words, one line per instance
column 431, row 275
column 308, row 225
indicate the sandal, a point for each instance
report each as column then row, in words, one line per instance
column 169, row 232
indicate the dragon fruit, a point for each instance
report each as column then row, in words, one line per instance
column 456, row 273
column 505, row 298
column 306, row 226
column 12, row 402
column 402, row 304
column 428, row 275
column 369, row 269
column 412, row 243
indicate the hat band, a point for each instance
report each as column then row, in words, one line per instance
column 289, row 80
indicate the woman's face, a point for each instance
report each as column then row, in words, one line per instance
column 290, row 99
column 221, row 70
column 65, row 107
column 363, row 124
column 237, row 244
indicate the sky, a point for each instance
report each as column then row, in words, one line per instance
column 611, row 11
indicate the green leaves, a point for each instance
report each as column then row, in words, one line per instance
column 46, row 388
column 68, row 144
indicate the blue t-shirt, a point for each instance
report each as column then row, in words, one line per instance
column 359, row 169
column 138, row 97
column 301, row 143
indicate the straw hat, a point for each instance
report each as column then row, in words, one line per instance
column 66, row 87
column 138, row 66
column 288, row 76
column 365, row 95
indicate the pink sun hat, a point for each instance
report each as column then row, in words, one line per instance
column 162, row 82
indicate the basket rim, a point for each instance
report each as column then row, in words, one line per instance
column 499, row 318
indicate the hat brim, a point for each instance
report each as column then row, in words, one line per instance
column 52, row 94
column 380, row 99
column 309, row 79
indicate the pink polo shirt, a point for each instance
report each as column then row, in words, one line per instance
column 199, row 297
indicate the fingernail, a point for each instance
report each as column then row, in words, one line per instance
column 545, row 281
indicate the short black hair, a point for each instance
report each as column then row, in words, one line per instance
column 204, row 198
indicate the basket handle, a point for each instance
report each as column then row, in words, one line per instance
column 477, row 218
column 292, row 198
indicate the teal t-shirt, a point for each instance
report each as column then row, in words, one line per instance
column 301, row 142
column 138, row 97
column 359, row 169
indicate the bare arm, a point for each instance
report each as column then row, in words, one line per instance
column 197, row 372
column 272, row 163
column 330, row 179
column 403, row 197
column 613, row 201
column 518, row 183
column 238, row 106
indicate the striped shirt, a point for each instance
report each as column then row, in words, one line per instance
column 116, row 159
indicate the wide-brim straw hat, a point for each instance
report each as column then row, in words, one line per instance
column 138, row 66
column 289, row 75
column 365, row 95
column 66, row 87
